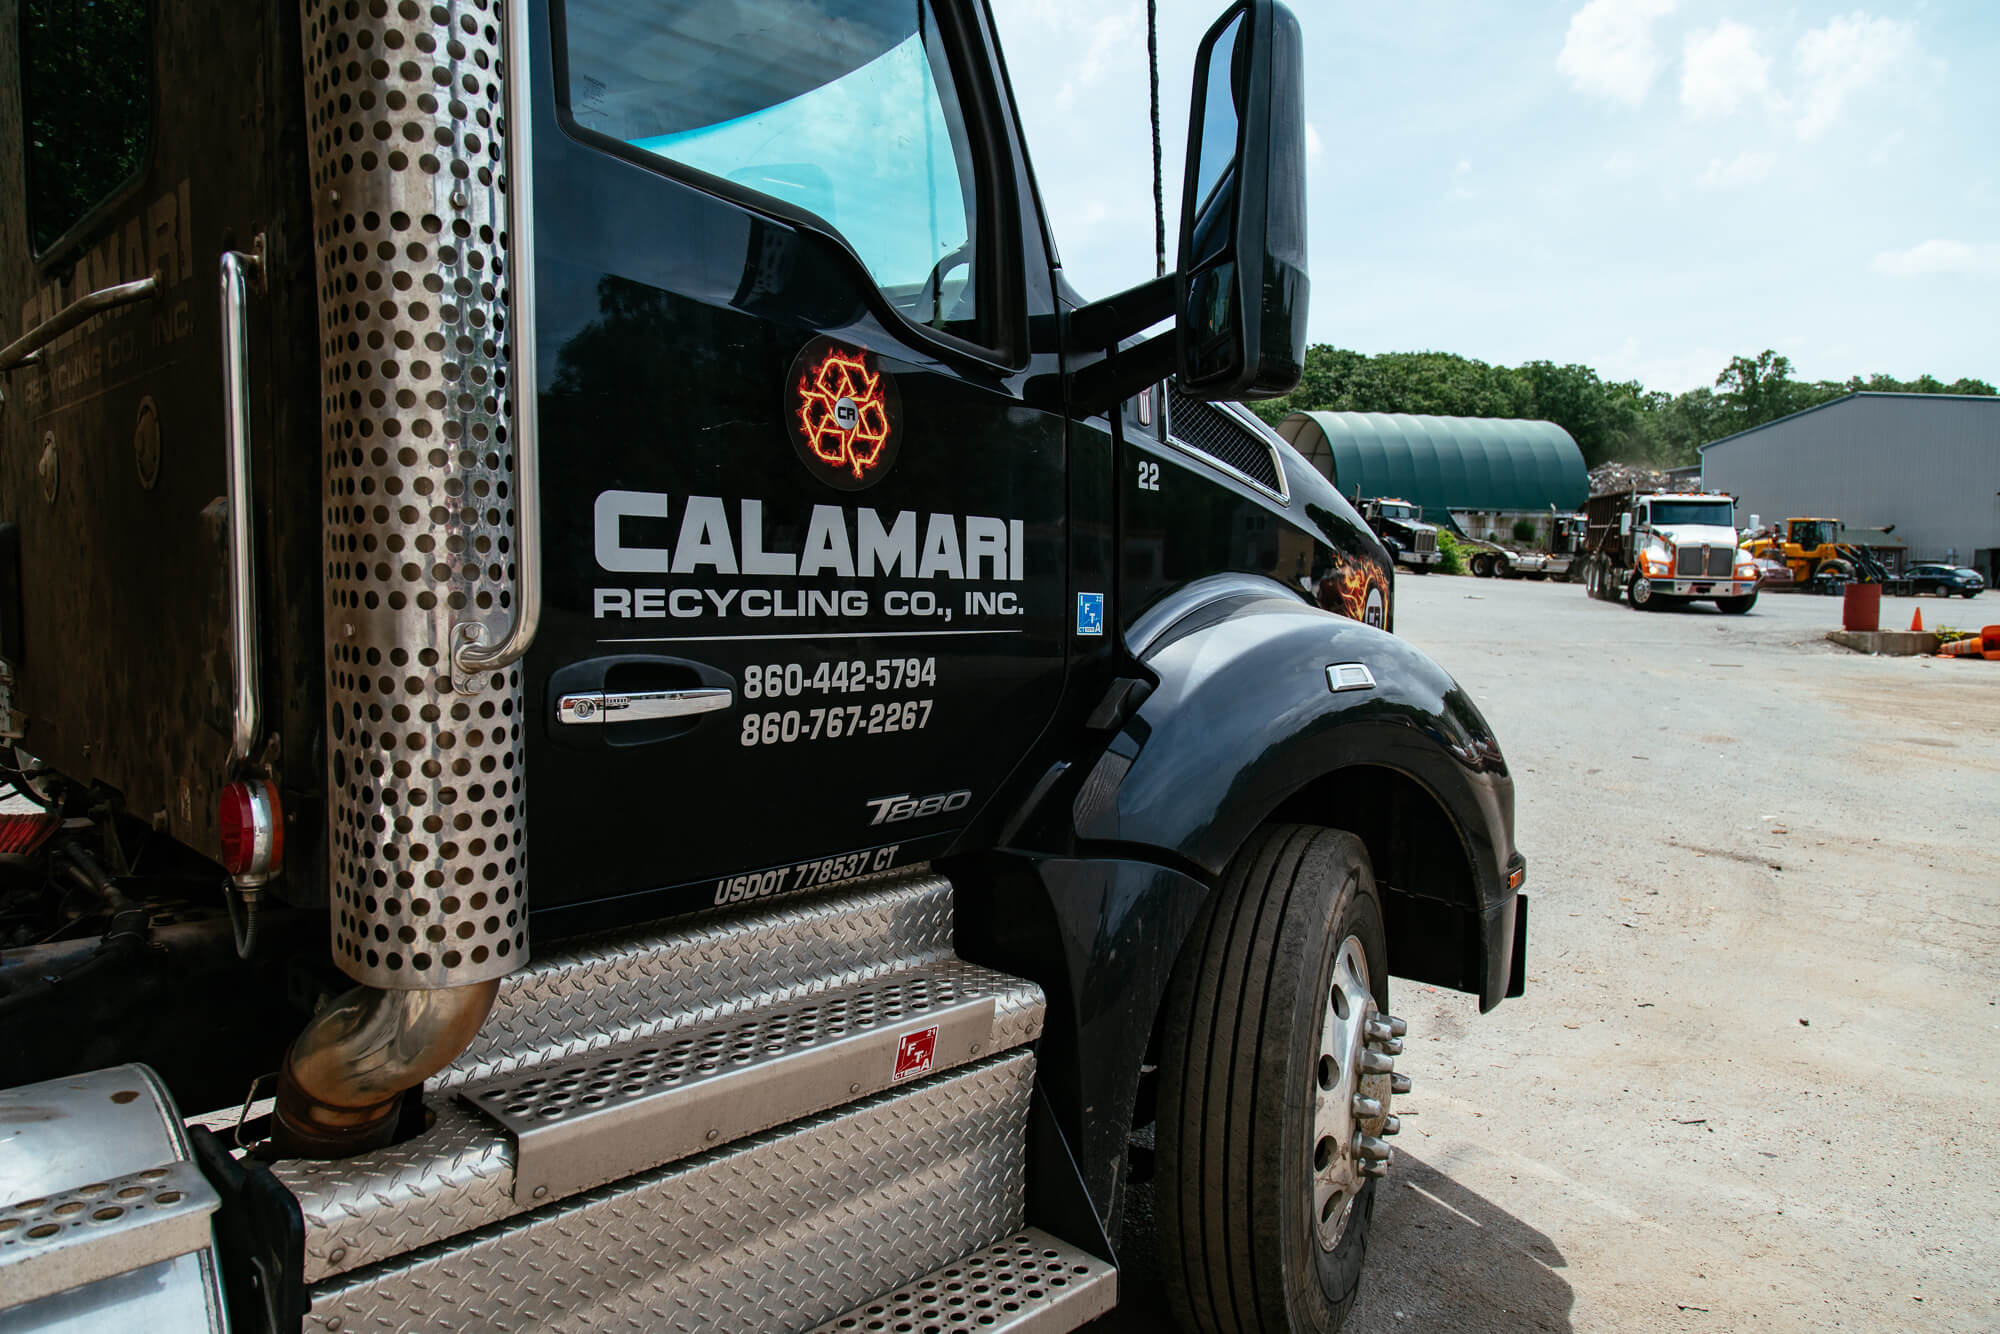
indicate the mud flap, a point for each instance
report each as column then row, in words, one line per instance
column 1517, row 972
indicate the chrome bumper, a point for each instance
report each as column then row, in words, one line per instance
column 1704, row 588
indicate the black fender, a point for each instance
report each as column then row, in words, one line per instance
column 1245, row 725
column 1242, row 726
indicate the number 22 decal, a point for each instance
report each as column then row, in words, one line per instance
column 1149, row 475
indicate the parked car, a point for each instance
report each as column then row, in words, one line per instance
column 1944, row 580
column 1773, row 573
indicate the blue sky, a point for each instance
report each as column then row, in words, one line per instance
column 1645, row 186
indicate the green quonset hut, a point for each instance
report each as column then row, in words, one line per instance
column 1444, row 463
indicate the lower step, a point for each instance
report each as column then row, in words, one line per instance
column 775, row 1233
column 1030, row 1283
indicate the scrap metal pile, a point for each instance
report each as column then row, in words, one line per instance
column 1616, row 478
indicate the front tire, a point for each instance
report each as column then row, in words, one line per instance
column 1736, row 606
column 1639, row 592
column 1274, row 1090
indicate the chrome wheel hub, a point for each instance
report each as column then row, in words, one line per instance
column 1353, row 1081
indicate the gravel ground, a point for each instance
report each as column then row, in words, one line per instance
column 1753, row 1083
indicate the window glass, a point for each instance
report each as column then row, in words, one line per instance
column 1674, row 513
column 843, row 108
column 1215, row 164
column 87, row 91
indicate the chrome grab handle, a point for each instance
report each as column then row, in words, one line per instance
column 471, row 653
column 29, row 345
column 239, row 272
column 610, row 706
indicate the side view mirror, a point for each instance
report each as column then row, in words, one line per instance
column 1238, row 297
column 1625, row 524
column 1243, row 288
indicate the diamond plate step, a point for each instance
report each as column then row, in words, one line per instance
column 466, row 1171
column 1031, row 1283
column 774, row 1234
column 629, row 1108
column 610, row 989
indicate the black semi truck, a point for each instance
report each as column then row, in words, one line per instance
column 622, row 710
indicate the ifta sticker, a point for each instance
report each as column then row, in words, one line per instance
column 916, row 1053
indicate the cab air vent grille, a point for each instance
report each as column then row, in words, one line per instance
column 1209, row 430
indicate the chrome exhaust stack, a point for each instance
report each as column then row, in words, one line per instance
column 417, row 119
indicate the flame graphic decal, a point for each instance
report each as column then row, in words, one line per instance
column 843, row 413
column 1347, row 588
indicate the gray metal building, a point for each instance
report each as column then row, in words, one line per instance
column 1927, row 463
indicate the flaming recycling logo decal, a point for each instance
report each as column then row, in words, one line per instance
column 1357, row 587
column 844, row 414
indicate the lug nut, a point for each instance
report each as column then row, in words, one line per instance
column 1399, row 1084
column 1391, row 1125
column 1366, row 1109
column 1384, row 1027
column 1371, row 1150
column 1389, row 1046
column 1375, row 1063
column 1374, row 1169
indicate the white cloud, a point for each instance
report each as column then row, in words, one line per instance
column 1843, row 57
column 1113, row 40
column 1721, row 68
column 1313, row 145
column 1939, row 256
column 1609, row 51
column 1743, row 169
column 1623, row 162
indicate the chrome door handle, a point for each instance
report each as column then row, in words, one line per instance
column 593, row 707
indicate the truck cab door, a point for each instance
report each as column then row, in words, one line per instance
column 802, row 508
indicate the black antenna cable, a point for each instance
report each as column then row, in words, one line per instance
column 1159, row 185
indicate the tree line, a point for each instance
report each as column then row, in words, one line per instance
column 1611, row 420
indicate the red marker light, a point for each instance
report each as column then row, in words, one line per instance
column 253, row 829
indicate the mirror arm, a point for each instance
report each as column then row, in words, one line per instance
column 1104, row 322
column 1122, row 374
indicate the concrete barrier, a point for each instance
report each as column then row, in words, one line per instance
column 1889, row 643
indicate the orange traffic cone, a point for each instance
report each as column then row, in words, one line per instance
column 1917, row 620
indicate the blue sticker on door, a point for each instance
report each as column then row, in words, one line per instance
column 1090, row 613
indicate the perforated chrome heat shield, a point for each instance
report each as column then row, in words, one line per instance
column 425, row 794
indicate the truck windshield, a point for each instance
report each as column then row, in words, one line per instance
column 1398, row 512
column 844, row 109
column 1674, row 513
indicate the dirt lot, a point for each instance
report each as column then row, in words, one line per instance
column 1753, row 1083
